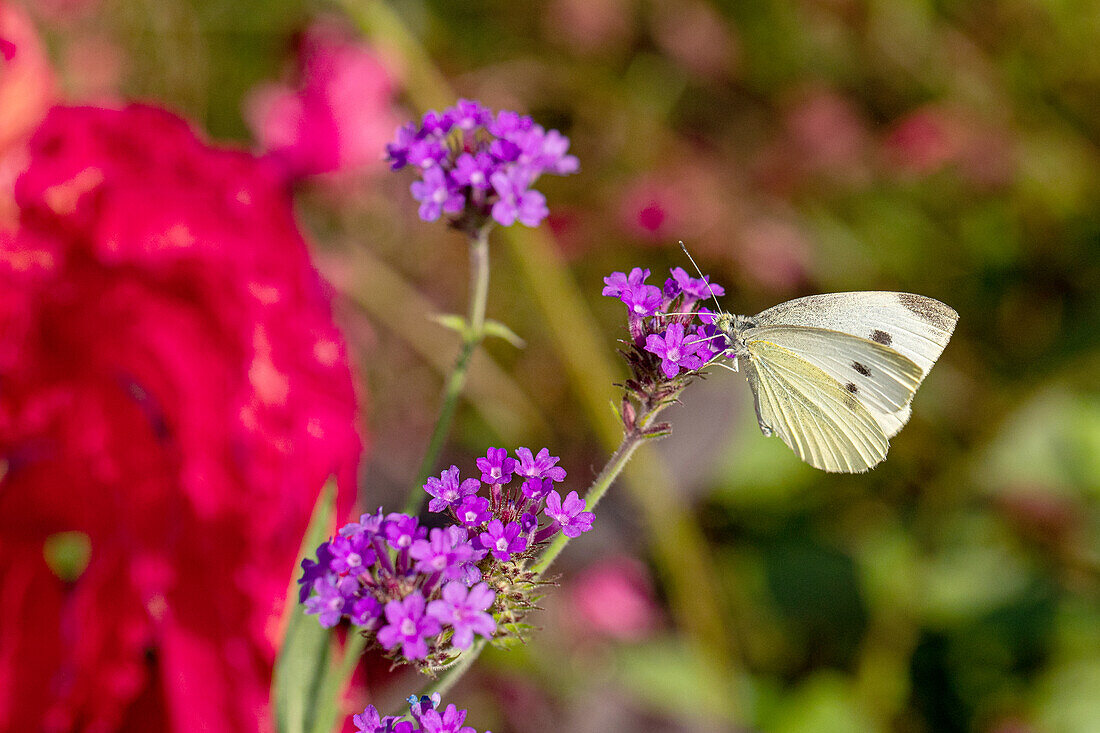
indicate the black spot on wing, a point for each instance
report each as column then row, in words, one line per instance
column 861, row 369
column 851, row 387
column 881, row 337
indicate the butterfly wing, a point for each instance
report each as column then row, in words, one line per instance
column 879, row 377
column 915, row 326
column 821, row 421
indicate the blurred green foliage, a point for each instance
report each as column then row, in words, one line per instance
column 947, row 148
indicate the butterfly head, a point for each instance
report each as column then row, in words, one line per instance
column 734, row 326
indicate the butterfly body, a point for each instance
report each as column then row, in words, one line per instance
column 833, row 375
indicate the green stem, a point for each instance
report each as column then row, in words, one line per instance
column 454, row 673
column 472, row 336
column 611, row 470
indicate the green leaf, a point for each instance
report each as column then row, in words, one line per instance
column 305, row 656
column 450, row 321
column 499, row 330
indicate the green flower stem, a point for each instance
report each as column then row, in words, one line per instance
column 472, row 336
column 453, row 674
column 611, row 470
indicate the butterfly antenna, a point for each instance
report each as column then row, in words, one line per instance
column 701, row 276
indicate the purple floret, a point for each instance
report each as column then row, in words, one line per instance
column 617, row 282
column 449, row 722
column 517, row 201
column 402, row 530
column 569, row 514
column 539, row 466
column 469, row 115
column 369, row 524
column 465, row 611
column 474, row 170
column 313, row 571
column 350, row 554
column 327, row 604
column 437, row 194
column 496, row 467
column 536, row 489
column 509, row 124
column 640, row 299
column 473, row 511
column 446, row 552
column 695, row 288
column 369, row 721
column 503, row 540
column 675, row 351
column 448, row 491
column 365, row 611
column 408, row 626
column 397, row 152
column 437, row 123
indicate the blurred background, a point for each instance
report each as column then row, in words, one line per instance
column 943, row 148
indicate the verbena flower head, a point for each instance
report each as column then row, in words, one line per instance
column 671, row 336
column 426, row 714
column 476, row 166
column 424, row 596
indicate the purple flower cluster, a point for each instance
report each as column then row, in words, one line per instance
column 425, row 594
column 426, row 718
column 506, row 524
column 390, row 575
column 678, row 340
column 475, row 164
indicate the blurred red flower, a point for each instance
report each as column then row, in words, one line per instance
column 175, row 392
column 338, row 118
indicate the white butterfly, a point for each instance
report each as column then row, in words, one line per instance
column 834, row 375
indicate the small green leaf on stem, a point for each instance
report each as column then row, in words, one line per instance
column 451, row 321
column 499, row 330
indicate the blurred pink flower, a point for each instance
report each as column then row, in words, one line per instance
column 652, row 210
column 934, row 137
column 175, row 390
column 774, row 253
column 828, row 131
column 615, row 598
column 337, row 119
column 824, row 135
column 697, row 36
column 591, row 25
column 677, row 203
column 926, row 140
